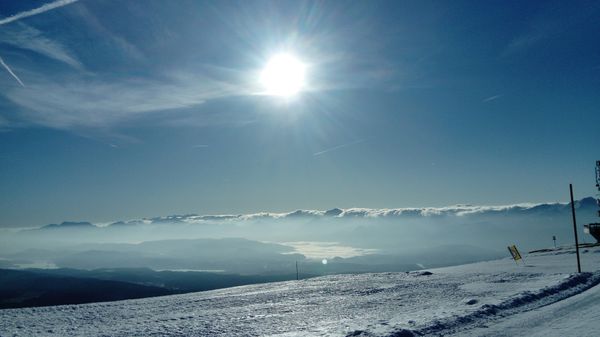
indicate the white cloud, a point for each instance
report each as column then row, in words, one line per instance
column 338, row 147
column 553, row 20
column 36, row 11
column 11, row 72
column 491, row 98
column 425, row 212
column 29, row 38
column 95, row 103
column 115, row 40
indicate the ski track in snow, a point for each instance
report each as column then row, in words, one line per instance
column 575, row 316
column 457, row 300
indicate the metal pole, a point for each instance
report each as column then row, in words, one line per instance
column 575, row 228
column 297, row 275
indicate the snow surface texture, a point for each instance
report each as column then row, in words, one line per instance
column 496, row 298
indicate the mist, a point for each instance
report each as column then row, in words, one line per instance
column 354, row 240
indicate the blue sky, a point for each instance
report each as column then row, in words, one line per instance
column 114, row 110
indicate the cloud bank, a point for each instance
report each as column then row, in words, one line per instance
column 367, row 237
column 382, row 213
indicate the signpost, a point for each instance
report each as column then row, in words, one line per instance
column 575, row 228
column 515, row 253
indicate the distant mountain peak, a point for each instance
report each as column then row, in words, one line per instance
column 333, row 212
column 586, row 202
column 70, row 224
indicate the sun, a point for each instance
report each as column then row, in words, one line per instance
column 283, row 76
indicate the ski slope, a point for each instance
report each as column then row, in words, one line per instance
column 575, row 316
column 544, row 297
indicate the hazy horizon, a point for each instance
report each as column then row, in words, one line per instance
column 119, row 110
column 299, row 167
column 348, row 211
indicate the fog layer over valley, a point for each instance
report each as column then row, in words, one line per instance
column 353, row 240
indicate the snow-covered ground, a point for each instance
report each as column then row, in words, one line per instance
column 497, row 298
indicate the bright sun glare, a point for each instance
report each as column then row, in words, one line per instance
column 283, row 75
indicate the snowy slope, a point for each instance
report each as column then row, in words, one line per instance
column 489, row 298
column 575, row 316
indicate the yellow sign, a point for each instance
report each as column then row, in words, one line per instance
column 514, row 252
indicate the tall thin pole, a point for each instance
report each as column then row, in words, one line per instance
column 297, row 275
column 575, row 228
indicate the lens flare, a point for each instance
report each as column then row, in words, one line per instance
column 283, row 75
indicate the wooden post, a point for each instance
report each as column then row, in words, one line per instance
column 575, row 228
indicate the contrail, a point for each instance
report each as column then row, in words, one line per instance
column 11, row 72
column 338, row 147
column 492, row 98
column 36, row 11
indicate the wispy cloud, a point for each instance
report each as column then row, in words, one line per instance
column 200, row 146
column 551, row 22
column 112, row 38
column 491, row 98
column 90, row 102
column 59, row 98
column 524, row 41
column 11, row 72
column 25, row 37
column 338, row 147
column 3, row 122
column 36, row 11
